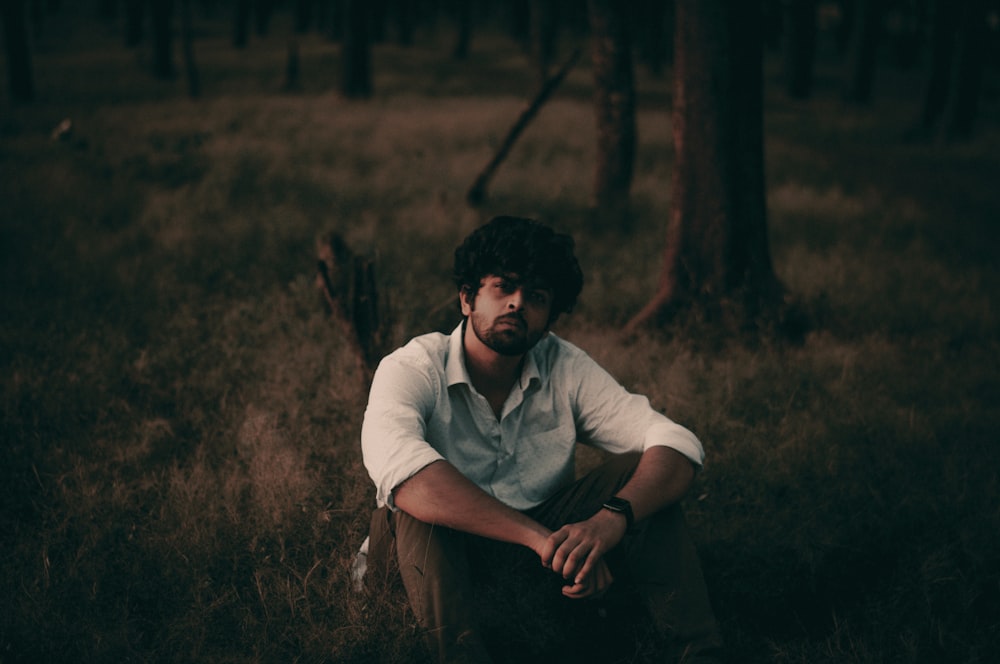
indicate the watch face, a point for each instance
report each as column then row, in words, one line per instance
column 616, row 504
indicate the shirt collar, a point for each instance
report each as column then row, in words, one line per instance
column 457, row 373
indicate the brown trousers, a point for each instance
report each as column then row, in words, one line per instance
column 657, row 556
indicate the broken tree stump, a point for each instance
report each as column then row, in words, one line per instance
column 347, row 282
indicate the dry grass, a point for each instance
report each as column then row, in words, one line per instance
column 182, row 478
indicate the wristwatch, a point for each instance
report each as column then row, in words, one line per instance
column 622, row 506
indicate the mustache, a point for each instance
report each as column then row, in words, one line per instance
column 515, row 317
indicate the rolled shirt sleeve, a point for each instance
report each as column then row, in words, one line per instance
column 393, row 435
column 616, row 420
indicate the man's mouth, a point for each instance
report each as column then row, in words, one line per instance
column 512, row 321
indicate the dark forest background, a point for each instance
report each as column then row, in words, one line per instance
column 216, row 215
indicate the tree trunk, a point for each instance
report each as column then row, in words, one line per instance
column 463, row 14
column 241, row 24
column 263, row 10
column 135, row 13
column 303, row 15
column 800, row 47
column 654, row 21
column 863, row 49
column 405, row 18
column 187, row 41
column 163, row 55
column 357, row 73
column 614, row 104
column 942, row 48
column 19, row 73
column 971, row 57
column 717, row 249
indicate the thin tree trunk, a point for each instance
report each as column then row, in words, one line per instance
column 463, row 38
column 241, row 24
column 614, row 104
column 942, row 49
column 800, row 47
column 187, row 42
column 357, row 74
column 163, row 57
column 135, row 13
column 969, row 64
column 19, row 72
column 863, row 49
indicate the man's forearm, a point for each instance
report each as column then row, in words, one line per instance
column 441, row 495
column 662, row 478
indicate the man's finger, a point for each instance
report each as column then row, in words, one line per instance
column 552, row 545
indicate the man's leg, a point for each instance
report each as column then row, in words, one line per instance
column 434, row 566
column 657, row 556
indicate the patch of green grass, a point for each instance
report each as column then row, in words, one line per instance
column 182, row 476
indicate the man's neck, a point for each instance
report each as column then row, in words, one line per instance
column 492, row 374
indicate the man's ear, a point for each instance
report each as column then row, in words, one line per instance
column 466, row 299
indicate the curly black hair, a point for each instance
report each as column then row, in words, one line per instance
column 523, row 249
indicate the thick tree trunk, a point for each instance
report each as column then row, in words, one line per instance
column 614, row 104
column 163, row 50
column 357, row 74
column 717, row 249
column 800, row 47
column 19, row 73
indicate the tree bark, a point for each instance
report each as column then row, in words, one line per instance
column 19, row 71
column 614, row 104
column 357, row 74
column 717, row 249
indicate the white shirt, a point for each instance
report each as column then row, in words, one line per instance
column 423, row 408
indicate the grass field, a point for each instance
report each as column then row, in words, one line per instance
column 182, row 477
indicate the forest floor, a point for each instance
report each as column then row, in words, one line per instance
column 182, row 477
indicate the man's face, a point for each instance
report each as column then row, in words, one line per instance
column 507, row 315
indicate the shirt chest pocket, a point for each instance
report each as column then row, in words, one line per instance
column 545, row 462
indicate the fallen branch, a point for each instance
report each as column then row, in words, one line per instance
column 477, row 194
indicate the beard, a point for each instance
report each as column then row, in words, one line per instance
column 507, row 335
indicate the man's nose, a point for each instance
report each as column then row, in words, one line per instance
column 515, row 301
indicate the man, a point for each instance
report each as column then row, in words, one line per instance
column 470, row 438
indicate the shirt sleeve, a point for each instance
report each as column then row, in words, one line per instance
column 610, row 417
column 393, row 434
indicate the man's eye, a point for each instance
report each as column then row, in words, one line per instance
column 539, row 297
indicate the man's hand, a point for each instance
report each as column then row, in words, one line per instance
column 576, row 552
column 594, row 585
